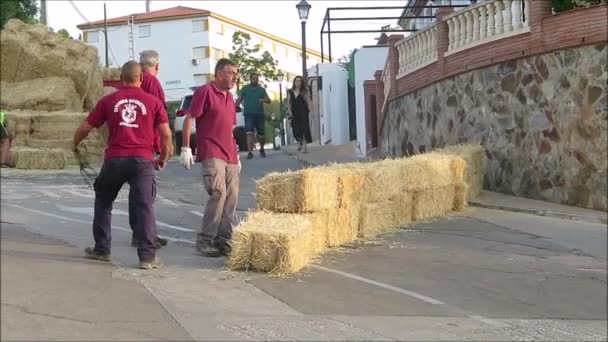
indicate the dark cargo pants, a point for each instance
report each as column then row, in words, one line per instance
column 221, row 181
column 139, row 173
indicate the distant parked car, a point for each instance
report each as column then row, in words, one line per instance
column 238, row 130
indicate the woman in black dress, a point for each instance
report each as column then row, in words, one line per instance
column 298, row 106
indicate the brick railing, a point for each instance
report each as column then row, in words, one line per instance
column 488, row 33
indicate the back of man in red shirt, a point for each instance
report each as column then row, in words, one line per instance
column 132, row 116
column 213, row 109
column 149, row 60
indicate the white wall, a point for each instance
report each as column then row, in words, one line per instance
column 367, row 61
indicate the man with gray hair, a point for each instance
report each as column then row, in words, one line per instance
column 150, row 62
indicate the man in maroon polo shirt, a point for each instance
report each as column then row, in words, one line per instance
column 149, row 60
column 213, row 109
column 132, row 116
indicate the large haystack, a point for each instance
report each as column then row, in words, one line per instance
column 47, row 82
column 33, row 52
column 49, row 94
column 333, row 205
column 40, row 137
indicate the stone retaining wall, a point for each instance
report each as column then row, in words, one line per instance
column 542, row 119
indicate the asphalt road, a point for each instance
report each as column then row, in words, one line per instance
column 486, row 275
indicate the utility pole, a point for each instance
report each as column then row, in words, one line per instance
column 43, row 19
column 105, row 33
column 147, row 6
column 131, row 38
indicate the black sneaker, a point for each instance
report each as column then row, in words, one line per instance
column 249, row 155
column 90, row 253
column 262, row 153
column 223, row 246
column 207, row 249
column 161, row 241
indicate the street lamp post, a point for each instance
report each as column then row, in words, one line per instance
column 303, row 9
column 281, row 113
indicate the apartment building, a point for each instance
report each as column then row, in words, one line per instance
column 190, row 42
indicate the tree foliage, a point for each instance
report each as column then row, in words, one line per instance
column 249, row 59
column 65, row 33
column 25, row 10
column 347, row 62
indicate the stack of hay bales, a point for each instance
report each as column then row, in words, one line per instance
column 47, row 81
column 112, row 76
column 304, row 212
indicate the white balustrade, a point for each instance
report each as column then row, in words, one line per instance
column 386, row 79
column 417, row 51
column 487, row 21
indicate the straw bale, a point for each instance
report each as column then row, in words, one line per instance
column 460, row 196
column 376, row 218
column 29, row 158
column 55, row 125
column 351, row 183
column 473, row 155
column 31, row 51
column 47, row 94
column 390, row 177
column 385, row 216
column 273, row 242
column 307, row 190
column 111, row 74
column 404, row 204
column 336, row 225
column 19, row 125
column 434, row 202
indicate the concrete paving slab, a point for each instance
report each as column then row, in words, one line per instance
column 50, row 292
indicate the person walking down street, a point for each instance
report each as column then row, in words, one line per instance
column 149, row 60
column 253, row 96
column 213, row 109
column 132, row 116
column 299, row 109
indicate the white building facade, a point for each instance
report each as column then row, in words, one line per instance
column 189, row 41
column 368, row 59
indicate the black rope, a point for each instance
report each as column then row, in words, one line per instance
column 86, row 170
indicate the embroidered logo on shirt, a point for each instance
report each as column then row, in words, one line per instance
column 129, row 111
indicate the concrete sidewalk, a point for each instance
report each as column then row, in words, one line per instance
column 323, row 155
column 50, row 292
column 327, row 154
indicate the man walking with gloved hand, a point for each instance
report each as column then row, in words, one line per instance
column 131, row 116
column 213, row 109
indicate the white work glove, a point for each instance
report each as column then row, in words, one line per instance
column 239, row 160
column 186, row 158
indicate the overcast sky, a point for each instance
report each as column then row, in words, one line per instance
column 277, row 17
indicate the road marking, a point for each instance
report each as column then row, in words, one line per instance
column 383, row 285
column 413, row 294
column 166, row 201
column 50, row 194
column 87, row 194
column 197, row 213
column 44, row 213
column 90, row 212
